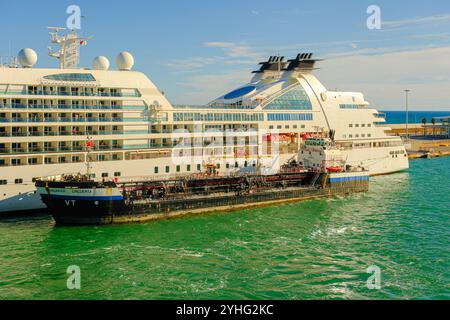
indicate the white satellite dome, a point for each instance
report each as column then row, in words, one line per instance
column 125, row 61
column 27, row 57
column 100, row 63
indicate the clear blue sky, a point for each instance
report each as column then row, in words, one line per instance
column 195, row 50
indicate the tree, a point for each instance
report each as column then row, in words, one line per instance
column 433, row 121
column 424, row 122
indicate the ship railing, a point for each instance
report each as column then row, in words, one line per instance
column 73, row 93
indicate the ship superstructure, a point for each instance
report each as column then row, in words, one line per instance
column 54, row 121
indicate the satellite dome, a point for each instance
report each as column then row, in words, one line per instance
column 100, row 63
column 27, row 57
column 125, row 61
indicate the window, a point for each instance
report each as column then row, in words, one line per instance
column 18, row 181
column 15, row 162
column 228, row 166
column 279, row 127
column 294, row 126
column 117, row 174
column 105, row 175
column 350, row 125
column 188, row 168
column 369, row 135
column 156, row 170
column 71, row 77
column 47, row 160
column 178, row 168
column 357, row 125
column 199, row 167
column 270, row 127
column 32, row 161
column 363, row 125
column 369, row 125
column 294, row 99
column 3, row 182
column 167, row 169
column 289, row 117
column 286, row 127
column 303, row 126
column 350, row 136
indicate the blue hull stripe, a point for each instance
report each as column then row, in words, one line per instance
column 97, row 198
column 344, row 179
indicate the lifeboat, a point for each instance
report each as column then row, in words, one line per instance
column 335, row 169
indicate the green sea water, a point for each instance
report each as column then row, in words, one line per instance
column 317, row 249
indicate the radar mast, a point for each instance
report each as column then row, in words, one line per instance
column 69, row 44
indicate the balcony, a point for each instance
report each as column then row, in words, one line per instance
column 71, row 93
column 68, row 107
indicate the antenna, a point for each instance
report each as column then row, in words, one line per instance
column 89, row 146
column 69, row 47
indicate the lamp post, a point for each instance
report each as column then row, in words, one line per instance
column 407, row 91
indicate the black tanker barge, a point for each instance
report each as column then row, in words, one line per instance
column 318, row 172
column 76, row 200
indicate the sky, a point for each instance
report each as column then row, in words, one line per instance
column 197, row 50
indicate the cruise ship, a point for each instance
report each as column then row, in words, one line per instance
column 116, row 124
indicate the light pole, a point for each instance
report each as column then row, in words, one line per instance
column 407, row 91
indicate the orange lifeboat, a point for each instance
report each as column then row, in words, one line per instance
column 334, row 169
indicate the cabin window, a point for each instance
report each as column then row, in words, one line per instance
column 18, row 181
column 303, row 126
column 117, row 174
column 3, row 182
column 199, row 167
column 156, row 170
column 350, row 125
column 188, row 167
column 167, row 169
column 105, row 175
column 178, row 168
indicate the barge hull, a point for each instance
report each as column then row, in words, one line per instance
column 87, row 212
